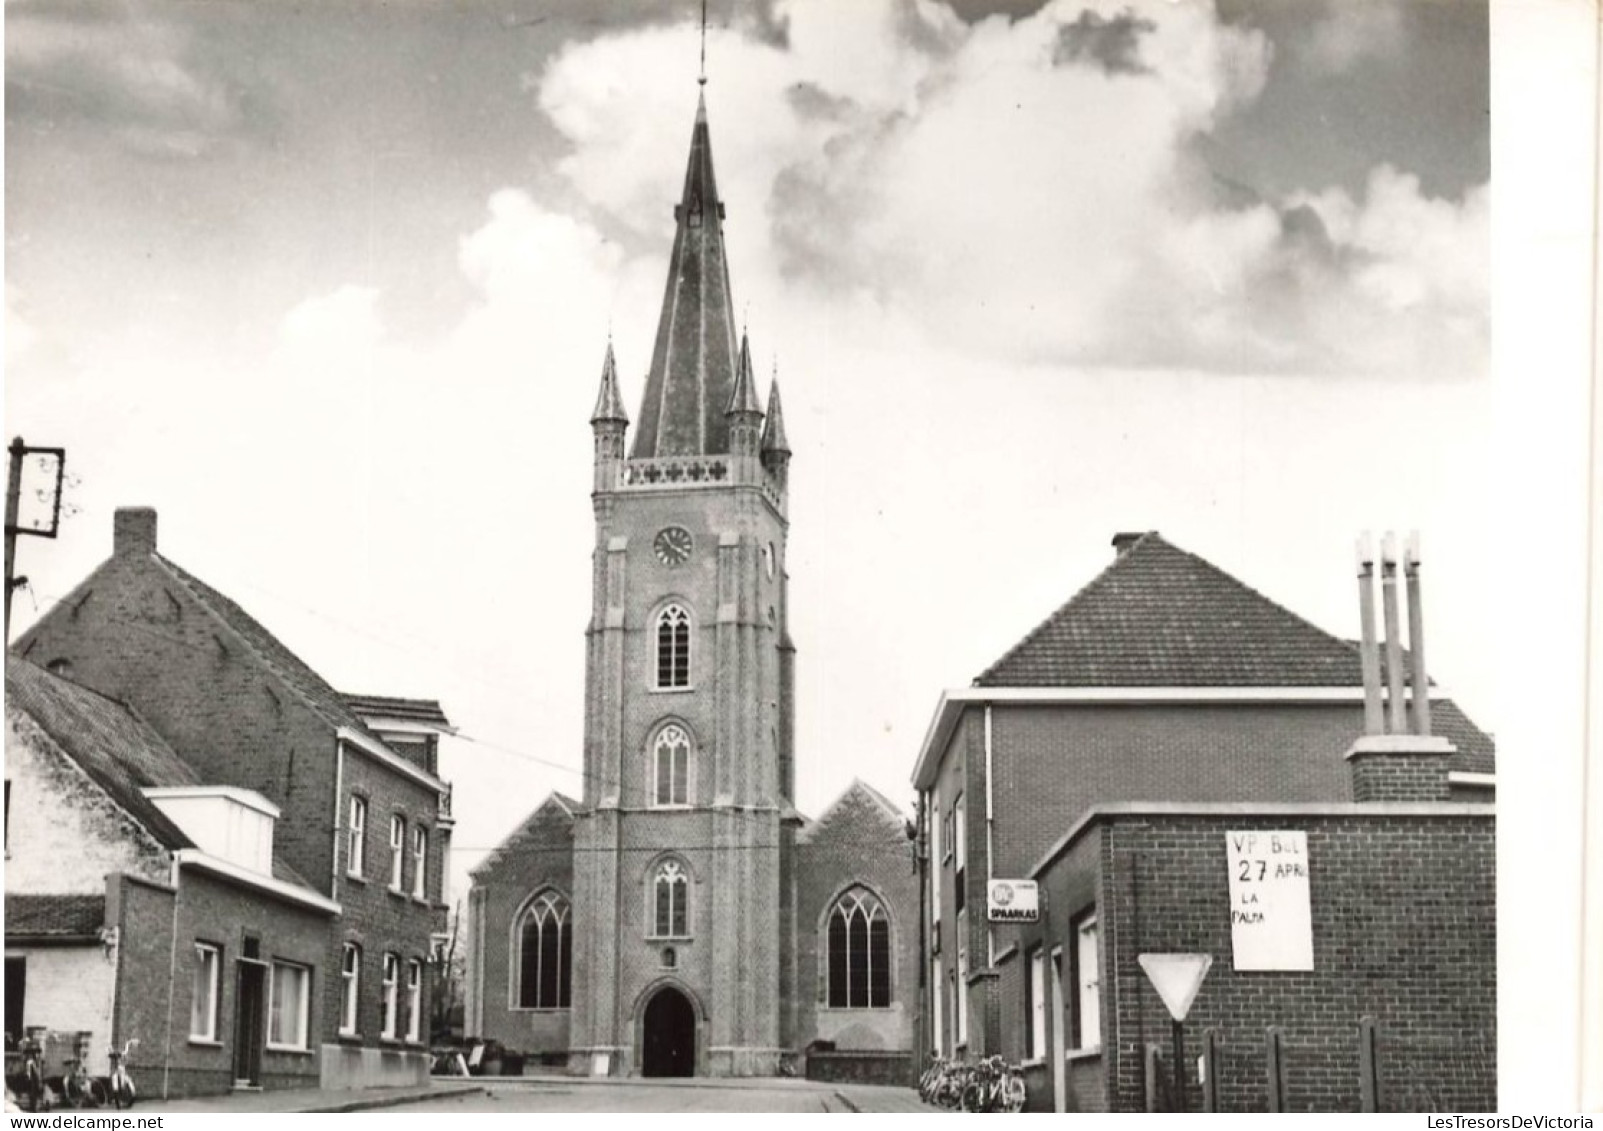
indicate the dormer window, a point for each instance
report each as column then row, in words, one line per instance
column 229, row 823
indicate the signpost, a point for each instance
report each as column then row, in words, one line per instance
column 1271, row 924
column 1012, row 901
column 1177, row 978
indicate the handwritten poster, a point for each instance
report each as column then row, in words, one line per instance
column 1271, row 924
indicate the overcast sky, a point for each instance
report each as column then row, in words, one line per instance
column 330, row 286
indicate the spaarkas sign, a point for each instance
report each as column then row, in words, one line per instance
column 1013, row 901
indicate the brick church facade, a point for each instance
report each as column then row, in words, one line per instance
column 681, row 917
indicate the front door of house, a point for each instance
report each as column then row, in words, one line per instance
column 250, row 1023
column 669, row 1035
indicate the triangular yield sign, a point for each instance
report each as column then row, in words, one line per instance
column 1177, row 978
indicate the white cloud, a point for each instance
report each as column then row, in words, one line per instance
column 1026, row 189
column 20, row 333
column 1352, row 30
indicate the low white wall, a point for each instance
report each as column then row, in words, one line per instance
column 346, row 1066
column 69, row 988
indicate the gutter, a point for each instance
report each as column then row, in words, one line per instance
column 289, row 893
column 953, row 700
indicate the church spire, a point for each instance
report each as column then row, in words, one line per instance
column 693, row 367
column 609, row 402
column 774, row 443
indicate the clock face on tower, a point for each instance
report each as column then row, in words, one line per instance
column 672, row 546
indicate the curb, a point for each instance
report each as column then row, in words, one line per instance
column 378, row 1102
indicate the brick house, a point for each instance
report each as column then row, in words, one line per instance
column 144, row 903
column 367, row 824
column 1163, row 682
column 681, row 917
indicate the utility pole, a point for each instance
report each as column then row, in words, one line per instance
column 19, row 451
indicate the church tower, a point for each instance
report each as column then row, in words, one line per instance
column 683, row 932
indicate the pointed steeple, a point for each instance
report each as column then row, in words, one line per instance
column 744, row 398
column 774, row 442
column 693, row 362
column 609, row 402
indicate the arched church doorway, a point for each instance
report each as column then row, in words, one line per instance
column 669, row 1035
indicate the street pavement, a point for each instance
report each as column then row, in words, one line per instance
column 569, row 1094
column 574, row 1095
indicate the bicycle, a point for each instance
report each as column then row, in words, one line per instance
column 994, row 1086
column 35, row 1094
column 80, row 1089
column 120, row 1083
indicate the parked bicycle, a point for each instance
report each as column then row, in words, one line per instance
column 35, row 1094
column 121, row 1084
column 994, row 1085
column 80, row 1089
column 987, row 1085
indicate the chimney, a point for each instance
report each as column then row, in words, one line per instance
column 1399, row 766
column 1368, row 646
column 1124, row 540
column 133, row 531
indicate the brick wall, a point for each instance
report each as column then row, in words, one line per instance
column 133, row 633
column 1403, row 910
column 541, row 857
column 857, row 844
column 223, row 914
column 377, row 918
column 1095, row 753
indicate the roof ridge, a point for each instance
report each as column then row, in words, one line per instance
column 1079, row 594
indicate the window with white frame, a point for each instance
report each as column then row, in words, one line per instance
column 203, row 1001
column 289, row 999
column 670, row 888
column 670, row 759
column 859, row 947
column 392, row 1001
column 545, row 954
column 1087, row 998
column 356, row 838
column 350, row 987
column 1035, row 994
column 935, row 871
column 420, row 861
column 414, row 1000
column 937, row 1003
column 673, row 648
column 397, row 851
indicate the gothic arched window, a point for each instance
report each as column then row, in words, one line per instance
column 670, row 892
column 673, row 647
column 859, row 952
column 670, row 766
column 545, row 954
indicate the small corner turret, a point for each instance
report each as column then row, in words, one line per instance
column 745, row 411
column 609, row 421
column 774, row 446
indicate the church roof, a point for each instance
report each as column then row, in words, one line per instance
column 859, row 801
column 564, row 807
column 1161, row 617
column 693, row 362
